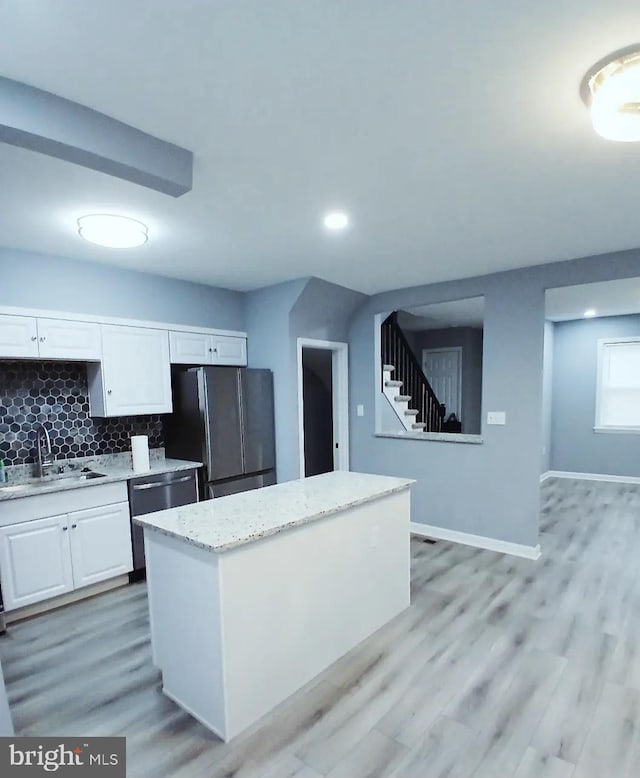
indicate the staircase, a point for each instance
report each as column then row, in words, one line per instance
column 404, row 384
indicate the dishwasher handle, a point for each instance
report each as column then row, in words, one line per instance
column 157, row 484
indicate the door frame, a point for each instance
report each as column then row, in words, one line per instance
column 340, row 400
column 448, row 348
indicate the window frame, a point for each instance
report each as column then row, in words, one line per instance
column 600, row 390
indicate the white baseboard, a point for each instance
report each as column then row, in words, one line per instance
column 616, row 479
column 547, row 475
column 479, row 541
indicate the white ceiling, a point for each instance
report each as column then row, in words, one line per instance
column 456, row 313
column 607, row 298
column 453, row 133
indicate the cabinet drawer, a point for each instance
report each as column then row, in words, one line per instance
column 34, row 507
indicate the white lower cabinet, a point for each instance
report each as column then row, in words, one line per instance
column 35, row 561
column 47, row 557
column 100, row 543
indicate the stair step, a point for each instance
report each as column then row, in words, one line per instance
column 411, row 412
column 390, row 368
column 418, row 426
column 400, row 398
column 391, row 382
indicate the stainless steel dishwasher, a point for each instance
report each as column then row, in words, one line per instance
column 151, row 493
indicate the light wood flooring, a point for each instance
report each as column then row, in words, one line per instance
column 501, row 668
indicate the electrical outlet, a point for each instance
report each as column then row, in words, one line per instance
column 496, row 417
column 374, row 540
column 360, row 410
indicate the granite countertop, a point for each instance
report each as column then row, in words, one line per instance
column 113, row 468
column 227, row 522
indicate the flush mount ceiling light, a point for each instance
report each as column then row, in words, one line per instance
column 114, row 232
column 336, row 220
column 611, row 90
column 589, row 313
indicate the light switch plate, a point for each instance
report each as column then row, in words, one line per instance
column 496, row 417
column 360, row 410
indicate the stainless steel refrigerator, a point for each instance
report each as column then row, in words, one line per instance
column 223, row 416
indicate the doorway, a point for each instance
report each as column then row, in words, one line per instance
column 443, row 369
column 323, row 411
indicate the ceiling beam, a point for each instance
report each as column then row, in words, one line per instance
column 41, row 121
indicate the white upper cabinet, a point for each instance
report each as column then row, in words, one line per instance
column 18, row 336
column 194, row 348
column 190, row 348
column 134, row 376
column 60, row 339
column 30, row 338
column 228, row 350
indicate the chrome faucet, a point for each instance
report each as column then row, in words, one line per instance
column 45, row 457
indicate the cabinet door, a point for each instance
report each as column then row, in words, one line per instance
column 136, row 373
column 228, row 350
column 190, row 348
column 59, row 339
column 35, row 561
column 18, row 336
column 100, row 543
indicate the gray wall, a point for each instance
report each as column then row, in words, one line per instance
column 269, row 345
column 276, row 317
column 61, row 284
column 490, row 489
column 469, row 339
column 575, row 446
column 547, row 390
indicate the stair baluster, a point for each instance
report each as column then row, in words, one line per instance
column 397, row 352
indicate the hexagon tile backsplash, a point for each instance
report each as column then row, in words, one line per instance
column 57, row 394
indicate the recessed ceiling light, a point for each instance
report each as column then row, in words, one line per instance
column 114, row 232
column 611, row 89
column 336, row 220
column 589, row 313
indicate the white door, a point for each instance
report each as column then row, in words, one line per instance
column 100, row 543
column 442, row 368
column 136, row 372
column 60, row 339
column 228, row 350
column 190, row 348
column 35, row 561
column 18, row 336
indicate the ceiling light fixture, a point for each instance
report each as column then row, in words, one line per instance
column 114, row 232
column 336, row 220
column 611, row 90
column 589, row 313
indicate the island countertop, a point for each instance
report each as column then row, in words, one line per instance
column 228, row 522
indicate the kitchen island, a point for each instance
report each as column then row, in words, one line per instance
column 252, row 595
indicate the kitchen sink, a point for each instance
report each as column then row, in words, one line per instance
column 67, row 478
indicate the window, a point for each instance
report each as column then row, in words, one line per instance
column 618, row 394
